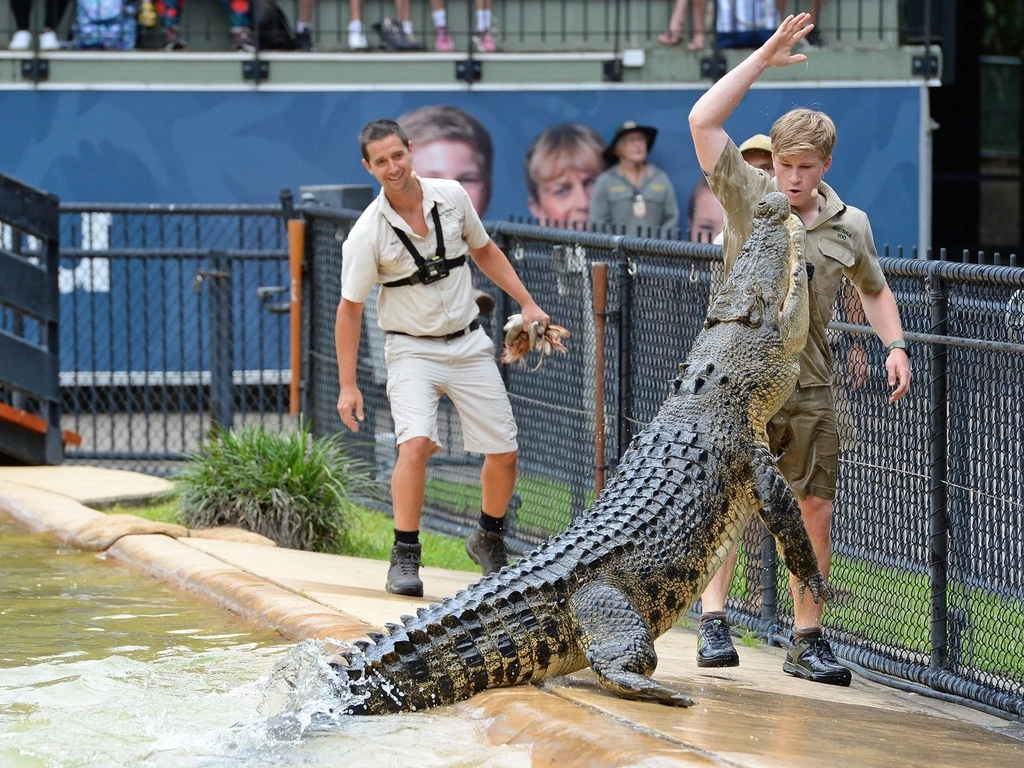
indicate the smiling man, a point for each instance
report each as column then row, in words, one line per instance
column 414, row 240
column 839, row 243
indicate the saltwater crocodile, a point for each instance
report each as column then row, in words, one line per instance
column 623, row 573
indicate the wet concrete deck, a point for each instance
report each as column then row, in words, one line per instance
column 752, row 716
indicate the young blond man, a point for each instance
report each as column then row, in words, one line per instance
column 839, row 243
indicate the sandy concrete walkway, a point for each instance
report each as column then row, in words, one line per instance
column 752, row 716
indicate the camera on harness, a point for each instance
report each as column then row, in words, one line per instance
column 432, row 270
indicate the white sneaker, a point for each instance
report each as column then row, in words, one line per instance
column 48, row 41
column 21, row 41
column 357, row 41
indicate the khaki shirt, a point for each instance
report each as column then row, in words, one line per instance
column 372, row 253
column 838, row 243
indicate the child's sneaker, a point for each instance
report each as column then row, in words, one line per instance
column 48, row 41
column 243, row 40
column 21, row 41
column 304, row 39
column 442, row 40
column 356, row 38
column 173, row 40
column 484, row 42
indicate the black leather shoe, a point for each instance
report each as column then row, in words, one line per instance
column 404, row 573
column 813, row 660
column 714, row 645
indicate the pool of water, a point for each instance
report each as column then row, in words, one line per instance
column 103, row 667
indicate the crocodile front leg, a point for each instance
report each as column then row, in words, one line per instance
column 778, row 508
column 618, row 645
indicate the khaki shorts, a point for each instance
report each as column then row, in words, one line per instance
column 804, row 433
column 421, row 370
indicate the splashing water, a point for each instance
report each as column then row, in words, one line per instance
column 102, row 668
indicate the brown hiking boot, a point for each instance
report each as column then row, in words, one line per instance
column 404, row 573
column 487, row 550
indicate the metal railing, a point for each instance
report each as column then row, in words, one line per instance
column 929, row 534
column 549, row 25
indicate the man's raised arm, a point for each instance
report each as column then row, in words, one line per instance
column 708, row 116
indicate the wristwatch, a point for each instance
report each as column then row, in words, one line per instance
column 897, row 344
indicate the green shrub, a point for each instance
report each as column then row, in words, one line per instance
column 286, row 486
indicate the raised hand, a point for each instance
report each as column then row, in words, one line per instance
column 778, row 50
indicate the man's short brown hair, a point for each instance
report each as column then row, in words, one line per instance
column 803, row 130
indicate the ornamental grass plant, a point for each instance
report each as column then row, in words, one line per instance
column 287, row 486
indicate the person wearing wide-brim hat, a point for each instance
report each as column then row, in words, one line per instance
column 634, row 196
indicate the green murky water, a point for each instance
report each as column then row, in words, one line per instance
column 103, row 667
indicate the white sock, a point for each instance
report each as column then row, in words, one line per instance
column 355, row 26
column 407, row 27
column 440, row 18
column 483, row 20
column 301, row 26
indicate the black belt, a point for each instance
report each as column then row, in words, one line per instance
column 448, row 336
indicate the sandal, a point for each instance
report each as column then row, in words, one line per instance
column 697, row 44
column 668, row 37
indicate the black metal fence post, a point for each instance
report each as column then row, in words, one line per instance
column 222, row 356
column 769, row 585
column 938, row 519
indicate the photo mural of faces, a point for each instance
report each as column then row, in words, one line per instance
column 536, row 156
column 560, row 166
column 524, row 154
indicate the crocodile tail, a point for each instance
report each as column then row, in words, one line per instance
column 454, row 650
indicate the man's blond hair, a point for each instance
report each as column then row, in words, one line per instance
column 803, row 130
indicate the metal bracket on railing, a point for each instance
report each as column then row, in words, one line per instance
column 611, row 71
column 256, row 69
column 206, row 274
column 264, row 292
column 925, row 66
column 713, row 67
column 470, row 70
column 35, row 70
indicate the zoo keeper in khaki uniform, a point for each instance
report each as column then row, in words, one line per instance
column 414, row 239
column 839, row 243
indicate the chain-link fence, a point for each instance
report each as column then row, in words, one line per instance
column 173, row 318
column 928, row 536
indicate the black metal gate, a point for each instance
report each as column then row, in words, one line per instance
column 29, row 314
column 172, row 322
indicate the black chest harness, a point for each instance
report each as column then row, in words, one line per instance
column 427, row 270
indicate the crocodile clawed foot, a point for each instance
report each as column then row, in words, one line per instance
column 821, row 590
column 637, row 687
